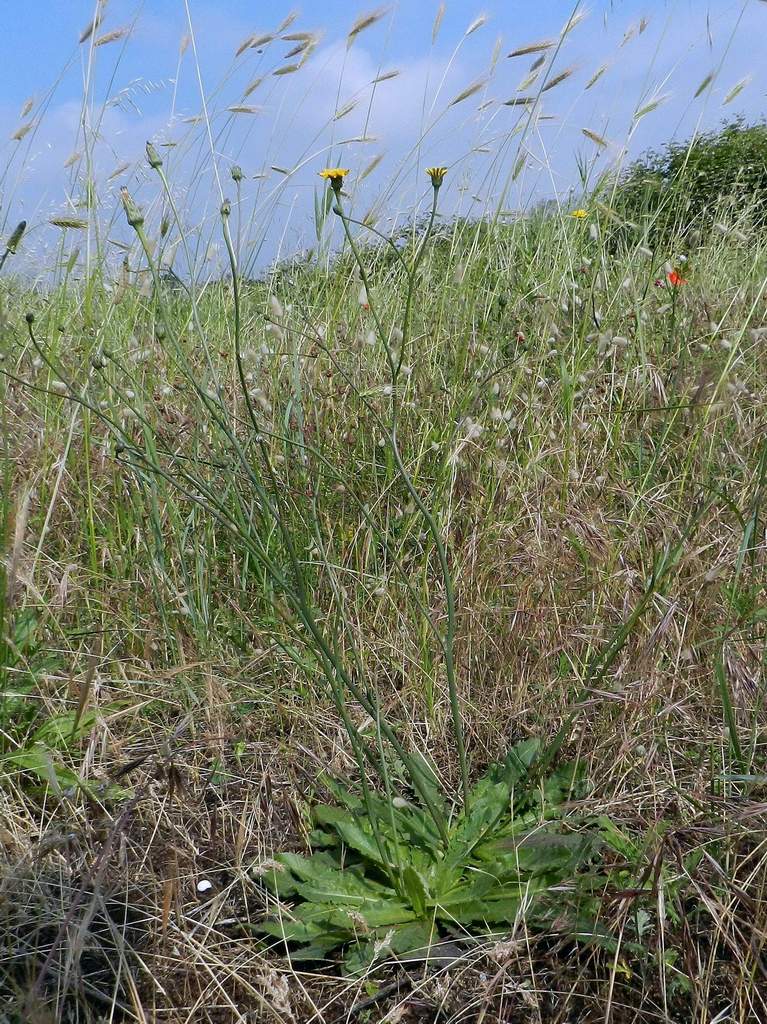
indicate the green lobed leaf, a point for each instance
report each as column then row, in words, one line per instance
column 488, row 802
column 398, row 941
column 353, row 835
column 540, row 850
column 415, row 889
column 321, row 879
column 412, row 821
column 378, row 914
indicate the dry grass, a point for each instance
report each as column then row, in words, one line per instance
column 554, row 520
column 571, row 422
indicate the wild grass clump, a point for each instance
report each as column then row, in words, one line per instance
column 383, row 635
column 587, row 437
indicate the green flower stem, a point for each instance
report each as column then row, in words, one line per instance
column 332, row 664
column 431, row 524
column 296, row 594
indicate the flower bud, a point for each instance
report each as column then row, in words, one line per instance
column 153, row 157
column 133, row 214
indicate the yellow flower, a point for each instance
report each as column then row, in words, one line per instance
column 335, row 175
column 579, row 214
column 437, row 175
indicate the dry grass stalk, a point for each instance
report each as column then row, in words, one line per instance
column 558, row 79
column 475, row 25
column 91, row 27
column 386, row 76
column 366, row 21
column 112, row 37
column 13, row 569
column 522, row 51
column 437, row 22
column 470, row 90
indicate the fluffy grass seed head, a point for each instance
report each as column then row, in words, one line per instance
column 15, row 237
column 335, row 175
column 74, row 223
column 437, row 175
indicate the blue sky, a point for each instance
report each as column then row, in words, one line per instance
column 139, row 87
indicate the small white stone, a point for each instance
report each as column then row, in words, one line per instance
column 204, row 885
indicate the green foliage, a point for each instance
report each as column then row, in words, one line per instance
column 36, row 743
column 380, row 881
column 689, row 184
column 25, row 658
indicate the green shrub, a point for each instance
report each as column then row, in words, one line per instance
column 688, row 185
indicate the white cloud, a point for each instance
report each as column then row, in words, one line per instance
column 408, row 115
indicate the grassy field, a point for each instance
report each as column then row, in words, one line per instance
column 266, row 540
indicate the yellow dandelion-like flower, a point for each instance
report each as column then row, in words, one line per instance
column 437, row 175
column 579, row 214
column 335, row 175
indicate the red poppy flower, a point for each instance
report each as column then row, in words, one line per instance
column 675, row 279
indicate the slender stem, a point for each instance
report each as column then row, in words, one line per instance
column 448, row 643
column 331, row 660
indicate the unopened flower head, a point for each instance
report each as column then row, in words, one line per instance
column 133, row 214
column 437, row 175
column 335, row 175
column 153, row 157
